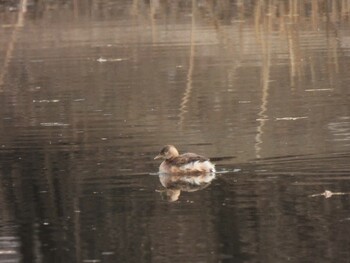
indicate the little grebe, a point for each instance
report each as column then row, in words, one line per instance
column 174, row 163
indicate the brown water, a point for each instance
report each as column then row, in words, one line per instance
column 91, row 90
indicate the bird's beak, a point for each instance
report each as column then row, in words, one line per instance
column 157, row 157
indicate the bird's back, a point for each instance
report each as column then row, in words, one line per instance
column 189, row 163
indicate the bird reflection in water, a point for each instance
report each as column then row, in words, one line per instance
column 175, row 183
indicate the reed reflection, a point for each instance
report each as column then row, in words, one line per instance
column 12, row 42
column 264, row 31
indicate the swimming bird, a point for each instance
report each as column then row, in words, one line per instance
column 174, row 163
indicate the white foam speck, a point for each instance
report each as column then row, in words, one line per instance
column 308, row 90
column 291, row 118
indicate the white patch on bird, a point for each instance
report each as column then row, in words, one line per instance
column 198, row 166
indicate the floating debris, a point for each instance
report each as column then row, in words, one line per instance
column 291, row 118
column 308, row 90
column 329, row 194
column 46, row 101
column 102, row 60
column 53, row 124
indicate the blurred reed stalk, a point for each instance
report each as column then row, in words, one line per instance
column 263, row 29
column 11, row 45
column 189, row 80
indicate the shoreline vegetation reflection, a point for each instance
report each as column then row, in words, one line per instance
column 273, row 31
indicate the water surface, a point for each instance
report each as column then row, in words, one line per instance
column 90, row 92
